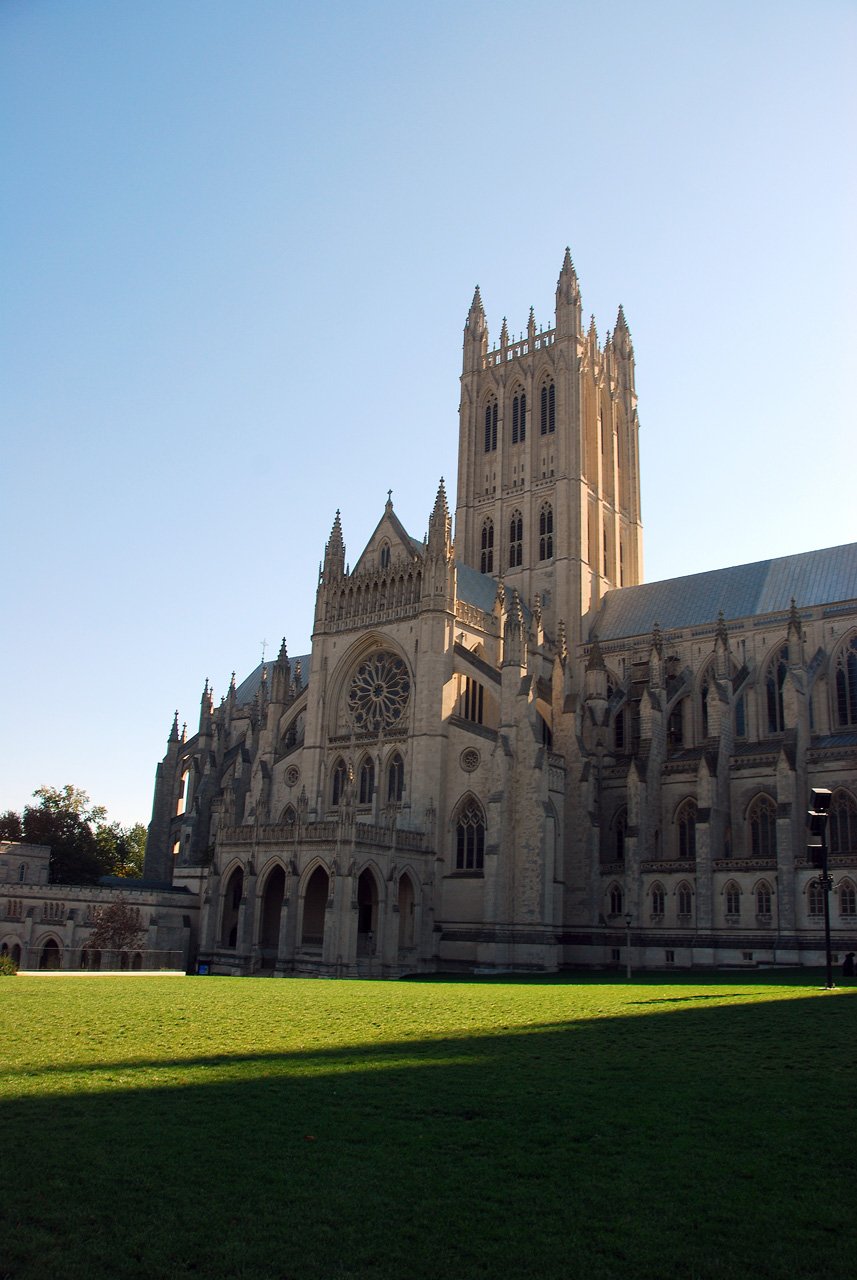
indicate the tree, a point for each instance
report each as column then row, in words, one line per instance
column 118, row 928
column 122, row 848
column 11, row 827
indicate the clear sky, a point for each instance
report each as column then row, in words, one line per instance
column 239, row 242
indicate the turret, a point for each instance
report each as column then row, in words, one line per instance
column 567, row 300
column 475, row 335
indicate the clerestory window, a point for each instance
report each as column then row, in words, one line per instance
column 516, row 544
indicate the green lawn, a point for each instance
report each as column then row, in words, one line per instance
column 230, row 1127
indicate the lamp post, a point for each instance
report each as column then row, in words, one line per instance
column 817, row 850
column 628, row 919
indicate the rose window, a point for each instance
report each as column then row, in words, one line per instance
column 379, row 692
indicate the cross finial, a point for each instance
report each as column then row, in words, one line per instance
column 264, row 644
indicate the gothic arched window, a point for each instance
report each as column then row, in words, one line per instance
column 732, row 893
column 777, row 669
column 519, row 418
column 396, row 779
column 686, row 823
column 548, row 408
column 763, row 828
column 340, row 776
column 763, row 899
column 385, row 555
column 658, row 899
column 546, row 532
column 815, row 899
column 491, row 426
column 516, row 535
column 367, row 780
column 470, row 837
column 487, row 561
column 684, row 895
column 847, row 899
column 846, row 684
column 617, row 900
column 843, row 823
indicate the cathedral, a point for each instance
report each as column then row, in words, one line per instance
column 506, row 751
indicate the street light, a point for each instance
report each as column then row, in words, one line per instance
column 628, row 919
column 817, row 850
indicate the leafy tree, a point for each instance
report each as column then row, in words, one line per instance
column 11, row 827
column 122, row 848
column 118, row 928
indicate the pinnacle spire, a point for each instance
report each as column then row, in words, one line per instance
column 504, row 334
column 441, row 507
column 284, row 653
column 476, row 304
column 794, row 619
column 336, row 532
column 567, row 264
column 174, row 732
column 595, row 661
column 722, row 635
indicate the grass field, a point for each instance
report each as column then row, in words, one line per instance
column 228, row 1127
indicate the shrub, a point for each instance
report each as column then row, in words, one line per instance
column 8, row 968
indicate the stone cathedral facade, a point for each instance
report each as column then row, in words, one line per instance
column 503, row 747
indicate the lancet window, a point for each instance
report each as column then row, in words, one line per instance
column 516, row 544
column 470, row 837
column 486, row 563
column 732, row 894
column 396, row 779
column 617, row 900
column 546, row 532
column 774, row 690
column 472, row 700
column 340, row 777
column 658, row 899
column 847, row 899
column 846, row 685
column 815, row 899
column 367, row 780
column 843, row 823
column 763, row 828
column 763, row 899
column 686, row 823
column 548, row 408
column 519, row 418
column 684, row 895
column 491, row 412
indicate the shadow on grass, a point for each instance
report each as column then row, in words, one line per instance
column 698, row 1142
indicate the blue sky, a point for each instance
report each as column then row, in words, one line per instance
column 239, row 242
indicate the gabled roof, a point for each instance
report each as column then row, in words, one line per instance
column 741, row 591
column 411, row 545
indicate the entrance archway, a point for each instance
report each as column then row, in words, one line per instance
column 406, row 912
column 51, row 956
column 231, row 904
column 367, row 913
column 315, row 909
column 272, row 909
column 16, row 955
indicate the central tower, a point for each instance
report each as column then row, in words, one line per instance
column 548, row 459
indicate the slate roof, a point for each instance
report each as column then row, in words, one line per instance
column 246, row 690
column 741, row 591
column 480, row 589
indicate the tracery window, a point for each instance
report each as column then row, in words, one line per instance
column 846, row 684
column 686, row 823
column 340, row 777
column 487, row 562
column 519, row 418
column 385, row 555
column 843, row 823
column 548, row 408
column 658, row 899
column 491, row 426
column 290, row 816
column 763, row 828
column 546, row 532
column 733, row 899
column 516, row 544
column 379, row 691
column 777, row 669
column 367, row 780
column 763, row 899
column 470, row 837
column 617, row 900
column 685, row 899
column 847, row 899
column 815, row 899
column 396, row 779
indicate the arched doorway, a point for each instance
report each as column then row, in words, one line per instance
column 51, row 955
column 367, row 913
column 231, row 904
column 272, row 909
column 315, row 908
column 16, row 955
column 406, row 912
